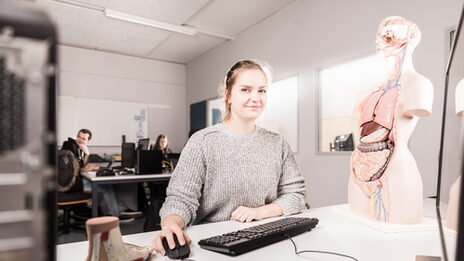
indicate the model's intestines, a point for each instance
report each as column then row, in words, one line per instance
column 378, row 113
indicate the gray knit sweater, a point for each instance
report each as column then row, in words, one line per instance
column 220, row 170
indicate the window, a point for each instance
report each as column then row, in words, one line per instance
column 339, row 89
column 281, row 114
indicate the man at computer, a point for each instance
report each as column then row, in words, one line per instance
column 79, row 148
column 111, row 205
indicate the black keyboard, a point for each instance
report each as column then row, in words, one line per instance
column 245, row 240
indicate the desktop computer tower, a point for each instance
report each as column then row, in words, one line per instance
column 27, row 134
column 128, row 155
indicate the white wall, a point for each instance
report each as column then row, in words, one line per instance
column 308, row 34
column 100, row 75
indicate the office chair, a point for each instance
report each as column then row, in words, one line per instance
column 70, row 202
column 71, row 196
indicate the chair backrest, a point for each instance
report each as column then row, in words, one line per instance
column 68, row 172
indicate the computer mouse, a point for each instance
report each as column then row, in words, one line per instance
column 179, row 252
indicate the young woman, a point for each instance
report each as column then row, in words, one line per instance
column 162, row 144
column 233, row 170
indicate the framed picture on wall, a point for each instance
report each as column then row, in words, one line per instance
column 213, row 111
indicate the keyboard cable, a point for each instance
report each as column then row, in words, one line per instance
column 317, row 251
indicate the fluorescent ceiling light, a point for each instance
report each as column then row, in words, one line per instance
column 150, row 22
column 227, row 37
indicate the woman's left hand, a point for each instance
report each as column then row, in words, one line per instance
column 245, row 214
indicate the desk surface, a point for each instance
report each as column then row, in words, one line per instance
column 92, row 176
column 334, row 233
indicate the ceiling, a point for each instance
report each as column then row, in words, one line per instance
column 83, row 23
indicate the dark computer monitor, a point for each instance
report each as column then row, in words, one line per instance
column 174, row 157
column 460, row 236
column 128, row 155
column 149, row 161
column 451, row 157
column 143, row 144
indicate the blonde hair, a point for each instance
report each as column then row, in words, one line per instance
column 225, row 89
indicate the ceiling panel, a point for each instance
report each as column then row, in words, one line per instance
column 88, row 27
column 126, row 37
column 83, row 23
column 182, row 48
column 75, row 25
column 233, row 17
column 171, row 11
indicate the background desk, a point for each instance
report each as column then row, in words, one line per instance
column 334, row 233
column 91, row 176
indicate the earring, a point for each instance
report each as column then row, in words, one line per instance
column 105, row 242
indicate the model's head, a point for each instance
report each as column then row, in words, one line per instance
column 83, row 137
column 161, row 142
column 244, row 90
column 394, row 34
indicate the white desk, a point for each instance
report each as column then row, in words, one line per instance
column 91, row 176
column 334, row 233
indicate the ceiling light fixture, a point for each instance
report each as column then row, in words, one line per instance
column 224, row 36
column 150, row 22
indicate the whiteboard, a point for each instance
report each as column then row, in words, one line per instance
column 281, row 113
column 107, row 119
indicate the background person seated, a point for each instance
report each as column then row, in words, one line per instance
column 163, row 145
column 111, row 206
column 158, row 191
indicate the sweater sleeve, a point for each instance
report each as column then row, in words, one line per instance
column 184, row 190
column 291, row 192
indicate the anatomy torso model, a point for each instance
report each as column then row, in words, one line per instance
column 385, row 181
column 455, row 191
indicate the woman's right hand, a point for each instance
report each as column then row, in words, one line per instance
column 170, row 225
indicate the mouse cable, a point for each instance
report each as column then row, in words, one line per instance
column 317, row 251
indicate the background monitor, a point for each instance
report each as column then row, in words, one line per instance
column 451, row 157
column 149, row 161
column 143, row 144
column 174, row 157
column 460, row 235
